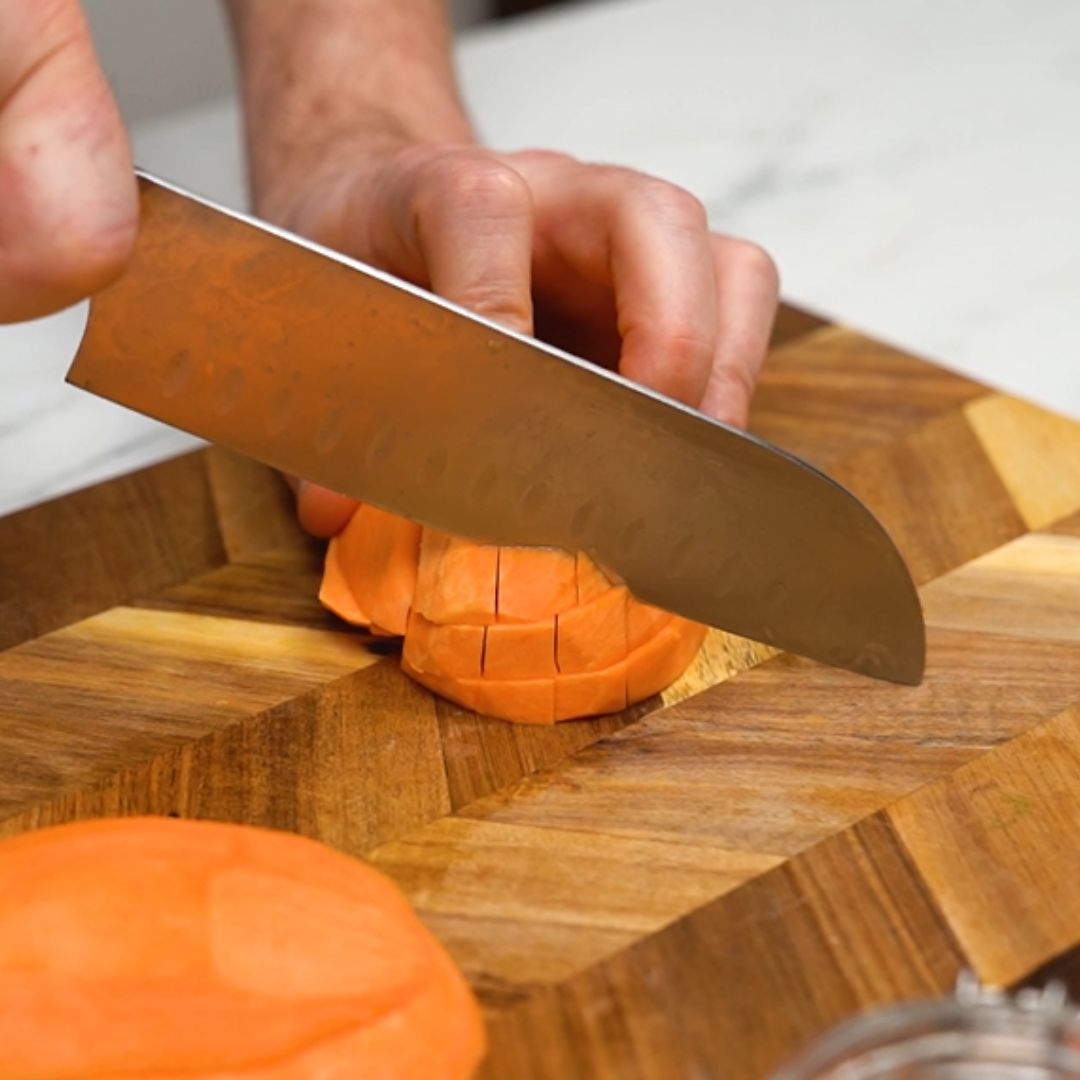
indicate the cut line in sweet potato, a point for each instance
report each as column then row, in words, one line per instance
column 530, row 635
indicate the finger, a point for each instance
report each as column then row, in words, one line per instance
column 68, row 209
column 464, row 221
column 648, row 243
column 665, row 289
column 748, row 289
column 322, row 512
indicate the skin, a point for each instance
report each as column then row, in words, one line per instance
column 68, row 211
column 357, row 138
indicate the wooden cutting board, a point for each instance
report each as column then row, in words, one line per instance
column 693, row 888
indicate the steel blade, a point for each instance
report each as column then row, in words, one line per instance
column 329, row 369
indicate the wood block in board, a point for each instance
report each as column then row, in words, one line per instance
column 256, row 511
column 937, row 494
column 999, row 845
column 734, row 987
column 889, row 910
column 1069, row 526
column 354, row 763
column 1034, row 451
column 82, row 702
column 1027, row 588
column 80, row 554
column 266, row 589
column 757, row 768
column 792, row 322
column 832, row 392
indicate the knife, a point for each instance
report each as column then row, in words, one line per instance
column 318, row 365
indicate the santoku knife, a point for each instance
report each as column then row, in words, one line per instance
column 326, row 368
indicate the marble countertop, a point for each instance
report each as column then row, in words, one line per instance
column 913, row 167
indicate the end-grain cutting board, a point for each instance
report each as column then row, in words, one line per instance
column 692, row 888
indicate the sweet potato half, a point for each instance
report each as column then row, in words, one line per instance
column 147, row 948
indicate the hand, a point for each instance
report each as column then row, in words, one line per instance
column 605, row 262
column 68, row 209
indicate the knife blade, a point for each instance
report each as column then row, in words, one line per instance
column 324, row 367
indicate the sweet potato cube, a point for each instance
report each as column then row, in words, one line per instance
column 535, row 583
column 525, row 701
column 592, row 636
column 591, row 693
column 334, row 592
column 643, row 622
column 456, row 580
column 655, row 665
column 377, row 554
column 454, row 650
column 520, row 650
column 591, row 580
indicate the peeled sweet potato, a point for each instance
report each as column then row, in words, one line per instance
column 527, row 634
column 145, row 948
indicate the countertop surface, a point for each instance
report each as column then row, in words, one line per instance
column 912, row 167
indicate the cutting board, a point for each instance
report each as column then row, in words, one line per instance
column 692, row 888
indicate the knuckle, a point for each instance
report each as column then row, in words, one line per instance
column 501, row 297
column 469, row 180
column 673, row 202
column 547, row 158
column 757, row 260
column 686, row 346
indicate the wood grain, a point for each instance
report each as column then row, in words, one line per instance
column 937, row 493
column 1035, row 452
column 81, row 554
column 830, row 392
column 882, row 912
column 690, row 888
column 114, row 688
column 1016, row 811
column 792, row 322
column 737, row 778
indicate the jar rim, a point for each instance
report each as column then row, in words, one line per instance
column 1050, row 1026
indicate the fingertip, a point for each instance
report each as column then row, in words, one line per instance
column 728, row 394
column 45, row 270
column 323, row 513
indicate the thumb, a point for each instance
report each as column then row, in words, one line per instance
column 68, row 206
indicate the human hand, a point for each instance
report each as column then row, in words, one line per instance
column 610, row 264
column 68, row 207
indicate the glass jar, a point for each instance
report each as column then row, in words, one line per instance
column 980, row 1034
